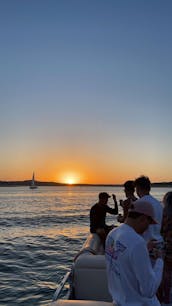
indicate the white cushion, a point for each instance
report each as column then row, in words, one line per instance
column 90, row 279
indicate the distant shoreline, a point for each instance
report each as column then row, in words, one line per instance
column 38, row 183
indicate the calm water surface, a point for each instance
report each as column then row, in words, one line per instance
column 41, row 232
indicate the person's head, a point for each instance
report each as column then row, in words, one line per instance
column 143, row 185
column 129, row 188
column 140, row 216
column 103, row 197
column 167, row 201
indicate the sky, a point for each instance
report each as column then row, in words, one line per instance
column 85, row 90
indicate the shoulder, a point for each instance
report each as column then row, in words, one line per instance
column 152, row 200
column 125, row 234
column 116, row 231
column 94, row 207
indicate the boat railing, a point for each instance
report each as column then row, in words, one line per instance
column 64, row 288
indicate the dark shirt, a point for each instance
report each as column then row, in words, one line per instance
column 98, row 216
column 166, row 231
column 126, row 206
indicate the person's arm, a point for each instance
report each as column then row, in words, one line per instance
column 148, row 277
column 126, row 206
column 113, row 211
column 115, row 204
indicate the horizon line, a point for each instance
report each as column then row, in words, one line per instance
column 77, row 184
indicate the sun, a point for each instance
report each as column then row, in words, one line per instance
column 70, row 181
column 70, row 178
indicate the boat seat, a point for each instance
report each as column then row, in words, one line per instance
column 80, row 303
column 90, row 279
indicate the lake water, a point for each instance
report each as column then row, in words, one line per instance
column 41, row 232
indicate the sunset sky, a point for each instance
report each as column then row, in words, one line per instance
column 86, row 90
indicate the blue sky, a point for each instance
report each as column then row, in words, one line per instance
column 85, row 89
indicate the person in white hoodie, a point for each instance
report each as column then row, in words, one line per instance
column 143, row 187
column 132, row 280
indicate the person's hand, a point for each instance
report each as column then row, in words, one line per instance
column 151, row 244
column 157, row 253
column 101, row 232
column 114, row 197
column 121, row 202
column 120, row 218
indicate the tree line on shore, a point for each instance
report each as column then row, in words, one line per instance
column 39, row 183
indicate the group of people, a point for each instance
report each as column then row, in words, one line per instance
column 138, row 252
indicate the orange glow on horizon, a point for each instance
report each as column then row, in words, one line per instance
column 92, row 172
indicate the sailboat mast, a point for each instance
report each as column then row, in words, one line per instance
column 32, row 185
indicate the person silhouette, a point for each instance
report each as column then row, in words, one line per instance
column 98, row 215
column 129, row 190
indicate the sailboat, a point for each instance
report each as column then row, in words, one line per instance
column 32, row 185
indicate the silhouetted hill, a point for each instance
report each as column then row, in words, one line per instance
column 38, row 183
column 27, row 183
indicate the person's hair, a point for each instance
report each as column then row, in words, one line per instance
column 134, row 214
column 129, row 185
column 168, row 204
column 103, row 195
column 143, row 182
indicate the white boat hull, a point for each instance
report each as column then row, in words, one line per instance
column 33, row 187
